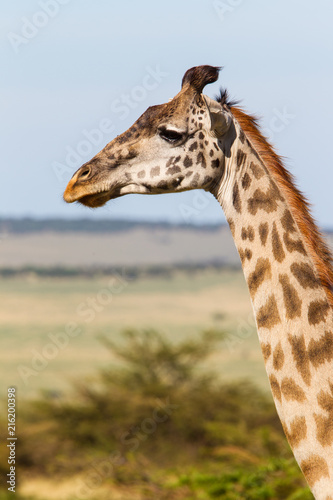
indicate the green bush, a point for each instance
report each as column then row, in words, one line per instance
column 158, row 412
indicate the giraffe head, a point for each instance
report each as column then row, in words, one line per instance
column 172, row 147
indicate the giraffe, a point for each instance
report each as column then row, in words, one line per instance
column 194, row 142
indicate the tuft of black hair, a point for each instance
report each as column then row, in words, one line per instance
column 224, row 99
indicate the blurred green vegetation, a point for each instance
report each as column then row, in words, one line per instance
column 10, row 225
column 132, row 272
column 158, row 428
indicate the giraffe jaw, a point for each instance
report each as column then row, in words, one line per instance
column 88, row 196
column 98, row 199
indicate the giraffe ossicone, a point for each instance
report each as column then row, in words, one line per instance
column 195, row 142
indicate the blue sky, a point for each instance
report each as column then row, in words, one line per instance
column 79, row 73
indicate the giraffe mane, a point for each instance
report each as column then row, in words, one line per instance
column 300, row 207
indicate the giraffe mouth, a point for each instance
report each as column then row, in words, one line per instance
column 95, row 200
column 91, row 200
column 98, row 199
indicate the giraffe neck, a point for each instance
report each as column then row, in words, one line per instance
column 293, row 314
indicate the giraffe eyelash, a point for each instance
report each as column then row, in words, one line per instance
column 170, row 135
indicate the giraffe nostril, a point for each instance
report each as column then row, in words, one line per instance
column 85, row 172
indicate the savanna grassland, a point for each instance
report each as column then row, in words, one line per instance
column 36, row 313
column 140, row 386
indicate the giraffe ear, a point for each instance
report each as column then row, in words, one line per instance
column 220, row 119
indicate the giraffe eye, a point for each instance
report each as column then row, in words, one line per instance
column 170, row 135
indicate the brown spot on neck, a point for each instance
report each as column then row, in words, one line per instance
column 258, row 171
column 288, row 222
column 263, row 233
column 318, row 310
column 266, row 350
column 262, row 200
column 245, row 254
column 268, row 315
column 246, row 181
column 292, row 302
column 300, row 355
column 232, row 227
column 314, row 468
column 304, row 275
column 278, row 357
column 261, row 273
column 248, row 233
column 277, row 246
column 236, row 199
column 293, row 245
column 297, row 432
column 325, row 423
column 292, row 391
column 275, row 387
column 321, row 350
column 240, row 159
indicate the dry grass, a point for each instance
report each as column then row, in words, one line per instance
column 179, row 306
column 46, row 489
